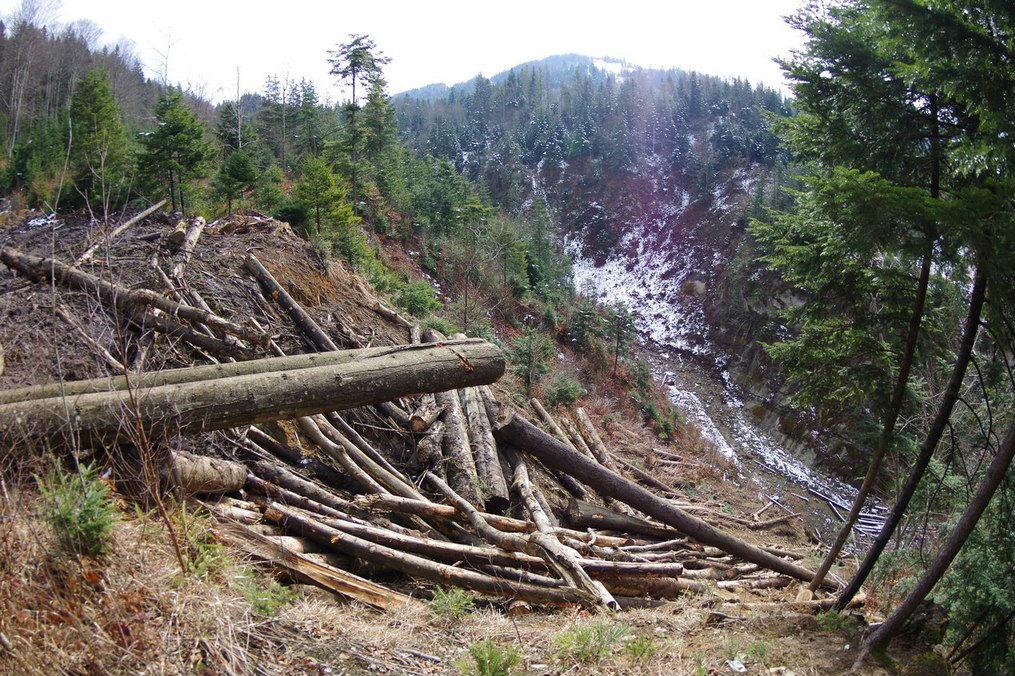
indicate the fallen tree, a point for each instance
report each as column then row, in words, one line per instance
column 250, row 399
column 527, row 437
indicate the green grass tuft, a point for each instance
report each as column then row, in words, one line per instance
column 589, row 644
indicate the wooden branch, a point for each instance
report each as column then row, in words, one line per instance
column 595, row 443
column 115, row 232
column 129, row 300
column 71, row 321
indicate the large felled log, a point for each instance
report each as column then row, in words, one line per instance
column 112, row 234
column 527, row 437
column 459, row 464
column 199, row 474
column 416, row 566
column 583, row 514
column 129, row 300
column 333, row 579
column 249, row 399
column 488, row 469
column 162, row 323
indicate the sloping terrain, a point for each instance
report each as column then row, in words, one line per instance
column 136, row 608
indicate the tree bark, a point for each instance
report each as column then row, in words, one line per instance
column 459, row 464
column 525, row 436
column 202, row 475
column 888, row 430
column 425, row 416
column 49, row 269
column 949, row 550
column 592, row 438
column 934, row 433
column 250, row 399
column 488, row 469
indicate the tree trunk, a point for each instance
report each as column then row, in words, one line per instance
column 459, row 465
column 524, row 435
column 582, row 515
column 198, row 474
column 888, row 431
column 49, row 269
column 189, row 244
column 595, row 443
column 934, row 434
column 112, row 234
column 243, row 400
column 488, row 469
column 425, row 416
column 207, row 372
column 974, row 510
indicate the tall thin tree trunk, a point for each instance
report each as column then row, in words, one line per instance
column 172, row 189
column 891, row 416
column 974, row 510
column 934, row 434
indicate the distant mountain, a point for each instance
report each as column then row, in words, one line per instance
column 647, row 173
column 555, row 69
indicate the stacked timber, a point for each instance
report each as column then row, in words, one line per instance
column 366, row 456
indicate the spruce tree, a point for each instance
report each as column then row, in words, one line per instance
column 176, row 151
column 235, row 176
column 100, row 152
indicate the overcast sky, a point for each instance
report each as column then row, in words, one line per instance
column 436, row 41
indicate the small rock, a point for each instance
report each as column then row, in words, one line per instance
column 736, row 665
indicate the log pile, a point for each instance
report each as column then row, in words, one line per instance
column 371, row 450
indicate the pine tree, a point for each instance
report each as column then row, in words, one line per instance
column 100, row 152
column 317, row 191
column 176, row 151
column 235, row 176
column 530, row 355
column 620, row 331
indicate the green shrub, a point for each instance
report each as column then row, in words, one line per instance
column 451, row 604
column 589, row 644
column 758, row 650
column 440, row 324
column 264, row 596
column 530, row 355
column 564, row 390
column 640, row 649
column 835, row 621
column 490, row 659
column 78, row 509
column 203, row 556
column 418, row 298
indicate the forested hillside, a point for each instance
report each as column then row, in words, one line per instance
column 837, row 262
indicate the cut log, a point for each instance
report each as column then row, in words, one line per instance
column 392, row 504
column 129, row 300
column 550, row 423
column 459, row 464
column 592, row 438
column 203, row 475
column 250, row 399
column 333, row 579
column 527, row 437
column 576, row 439
column 189, row 244
column 282, row 477
column 264, row 445
column 161, row 322
column 424, row 416
column 417, row 566
column 174, row 239
column 583, row 514
column 115, row 232
column 488, row 469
